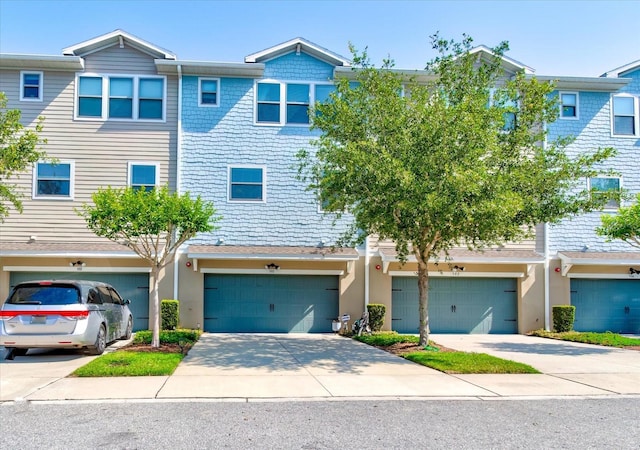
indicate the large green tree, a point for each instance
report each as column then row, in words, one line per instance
column 454, row 158
column 151, row 223
column 18, row 150
column 625, row 225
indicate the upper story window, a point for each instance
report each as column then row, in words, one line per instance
column 607, row 185
column 121, row 97
column 143, row 175
column 53, row 180
column 288, row 103
column 568, row 105
column 31, row 86
column 208, row 89
column 625, row 115
column 247, row 183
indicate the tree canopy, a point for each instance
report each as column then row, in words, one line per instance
column 454, row 159
column 151, row 223
column 625, row 225
column 18, row 150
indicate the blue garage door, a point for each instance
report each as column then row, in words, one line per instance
column 132, row 286
column 457, row 305
column 270, row 303
column 606, row 305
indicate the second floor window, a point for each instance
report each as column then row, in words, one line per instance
column 610, row 186
column 53, row 180
column 208, row 92
column 31, row 86
column 143, row 175
column 568, row 105
column 288, row 103
column 120, row 97
column 625, row 115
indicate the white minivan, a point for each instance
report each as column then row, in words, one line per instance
column 63, row 314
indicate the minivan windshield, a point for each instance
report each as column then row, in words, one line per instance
column 45, row 295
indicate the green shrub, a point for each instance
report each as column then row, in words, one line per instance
column 168, row 336
column 376, row 315
column 170, row 314
column 563, row 317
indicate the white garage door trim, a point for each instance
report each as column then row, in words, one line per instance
column 404, row 273
column 275, row 272
column 75, row 269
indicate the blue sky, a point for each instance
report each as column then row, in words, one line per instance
column 578, row 38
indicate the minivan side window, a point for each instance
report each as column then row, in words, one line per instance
column 116, row 297
column 93, row 297
column 104, row 294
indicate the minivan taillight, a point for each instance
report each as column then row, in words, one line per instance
column 74, row 315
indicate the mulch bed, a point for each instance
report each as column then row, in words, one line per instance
column 164, row 348
column 402, row 348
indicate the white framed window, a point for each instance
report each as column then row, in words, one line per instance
column 247, row 183
column 53, row 180
column 569, row 105
column 607, row 184
column 143, row 175
column 288, row 103
column 208, row 92
column 31, row 84
column 120, row 97
column 624, row 115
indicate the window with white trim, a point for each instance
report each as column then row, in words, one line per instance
column 625, row 115
column 208, row 92
column 568, row 105
column 31, row 86
column 143, row 175
column 247, row 183
column 280, row 103
column 53, row 180
column 610, row 186
column 121, row 97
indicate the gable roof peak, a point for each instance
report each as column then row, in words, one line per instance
column 298, row 45
column 509, row 63
column 619, row 71
column 121, row 38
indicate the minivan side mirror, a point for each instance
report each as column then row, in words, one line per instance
column 127, row 301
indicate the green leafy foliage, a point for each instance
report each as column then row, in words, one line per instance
column 376, row 315
column 445, row 164
column 178, row 336
column 387, row 338
column 170, row 314
column 18, row 150
column 625, row 225
column 563, row 317
column 151, row 223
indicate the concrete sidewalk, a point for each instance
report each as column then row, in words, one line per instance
column 253, row 366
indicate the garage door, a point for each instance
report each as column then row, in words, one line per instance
column 606, row 305
column 132, row 286
column 457, row 305
column 270, row 303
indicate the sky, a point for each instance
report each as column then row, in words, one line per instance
column 569, row 38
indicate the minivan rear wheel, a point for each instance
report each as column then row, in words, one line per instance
column 101, row 342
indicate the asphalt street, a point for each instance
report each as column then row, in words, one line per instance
column 389, row 424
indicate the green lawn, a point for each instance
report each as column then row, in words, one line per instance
column 462, row 362
column 130, row 364
column 446, row 361
column 607, row 339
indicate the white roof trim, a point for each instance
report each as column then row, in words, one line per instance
column 222, row 69
column 273, row 256
column 597, row 84
column 92, row 269
column 44, row 62
column 509, row 62
column 276, row 272
column 604, row 276
column 305, row 46
column 596, row 261
column 436, row 274
column 66, row 254
column 618, row 71
column 468, row 259
column 113, row 38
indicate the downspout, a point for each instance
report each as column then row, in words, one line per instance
column 176, row 259
column 547, row 307
column 366, row 272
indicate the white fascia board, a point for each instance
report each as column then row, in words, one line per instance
column 507, row 61
column 276, row 272
column 92, row 269
column 67, row 254
column 420, row 76
column 306, row 46
column 277, row 256
column 605, row 276
column 207, row 68
column 593, row 84
column 407, row 273
column 107, row 39
column 468, row 260
column 618, row 71
column 597, row 262
column 43, row 62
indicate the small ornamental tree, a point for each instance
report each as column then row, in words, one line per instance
column 151, row 223
column 625, row 225
column 18, row 150
column 456, row 159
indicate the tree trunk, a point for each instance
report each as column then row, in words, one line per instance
column 155, row 339
column 423, row 302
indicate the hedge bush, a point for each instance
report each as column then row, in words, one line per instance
column 376, row 315
column 563, row 317
column 168, row 336
column 170, row 314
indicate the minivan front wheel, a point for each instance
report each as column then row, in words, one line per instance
column 129, row 331
column 101, row 342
